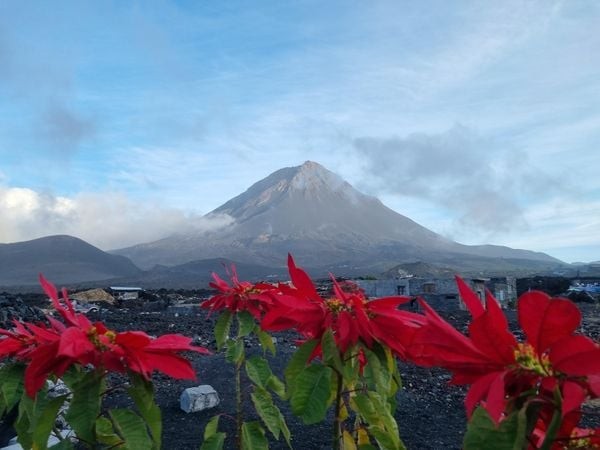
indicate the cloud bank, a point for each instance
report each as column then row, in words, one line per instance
column 108, row 221
column 484, row 186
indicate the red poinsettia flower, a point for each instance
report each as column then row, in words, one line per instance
column 240, row 295
column 498, row 367
column 348, row 313
column 51, row 351
column 24, row 338
column 568, row 437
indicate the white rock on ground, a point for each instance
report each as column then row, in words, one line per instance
column 199, row 398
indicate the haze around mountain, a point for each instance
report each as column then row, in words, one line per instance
column 321, row 219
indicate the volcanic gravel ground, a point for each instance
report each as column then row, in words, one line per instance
column 430, row 412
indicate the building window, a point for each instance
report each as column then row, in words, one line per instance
column 400, row 290
column 429, row 288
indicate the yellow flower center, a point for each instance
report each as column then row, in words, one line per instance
column 336, row 306
column 527, row 358
column 584, row 442
column 96, row 338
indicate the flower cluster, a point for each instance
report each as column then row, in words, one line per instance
column 239, row 295
column 533, row 387
column 347, row 313
column 554, row 367
column 52, row 349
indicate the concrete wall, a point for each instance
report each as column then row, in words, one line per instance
column 384, row 288
column 431, row 286
column 440, row 293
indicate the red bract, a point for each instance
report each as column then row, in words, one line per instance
column 240, row 295
column 568, row 437
column 499, row 368
column 24, row 338
column 51, row 351
column 347, row 313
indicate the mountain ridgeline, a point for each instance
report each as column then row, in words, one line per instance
column 325, row 223
column 62, row 259
column 306, row 210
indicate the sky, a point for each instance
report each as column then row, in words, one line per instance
column 123, row 122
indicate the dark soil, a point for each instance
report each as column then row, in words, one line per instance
column 430, row 412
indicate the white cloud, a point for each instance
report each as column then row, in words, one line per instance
column 108, row 220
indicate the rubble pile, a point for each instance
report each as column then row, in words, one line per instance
column 13, row 307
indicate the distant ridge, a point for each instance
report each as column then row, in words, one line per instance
column 197, row 274
column 320, row 218
column 62, row 259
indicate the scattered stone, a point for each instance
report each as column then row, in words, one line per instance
column 14, row 308
column 56, row 390
column 199, row 398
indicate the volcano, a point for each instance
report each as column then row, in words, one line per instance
column 323, row 221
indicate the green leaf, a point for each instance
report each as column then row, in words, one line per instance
column 36, row 419
column 45, row 412
column 222, row 328
column 142, row 393
column 382, row 425
column 131, row 428
column 482, row 432
column 253, row 437
column 214, row 442
column 348, row 441
column 235, row 351
column 246, row 323
column 266, row 340
column 105, row 432
column 378, row 378
column 258, row 370
column 298, row 362
column 385, row 439
column 310, row 397
column 392, row 366
column 24, row 421
column 211, row 427
column 270, row 414
column 277, row 386
column 350, row 368
column 213, row 439
column 266, row 409
column 11, row 386
column 85, row 405
column 331, row 353
column 365, row 407
column 385, row 414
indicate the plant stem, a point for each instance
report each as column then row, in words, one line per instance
column 238, row 401
column 552, row 429
column 554, row 422
column 337, row 422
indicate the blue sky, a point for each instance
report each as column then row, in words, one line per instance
column 121, row 122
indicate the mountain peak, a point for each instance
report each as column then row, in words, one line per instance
column 313, row 176
column 314, row 214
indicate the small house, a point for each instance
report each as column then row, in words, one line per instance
column 126, row 292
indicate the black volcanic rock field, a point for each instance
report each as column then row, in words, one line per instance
column 430, row 412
